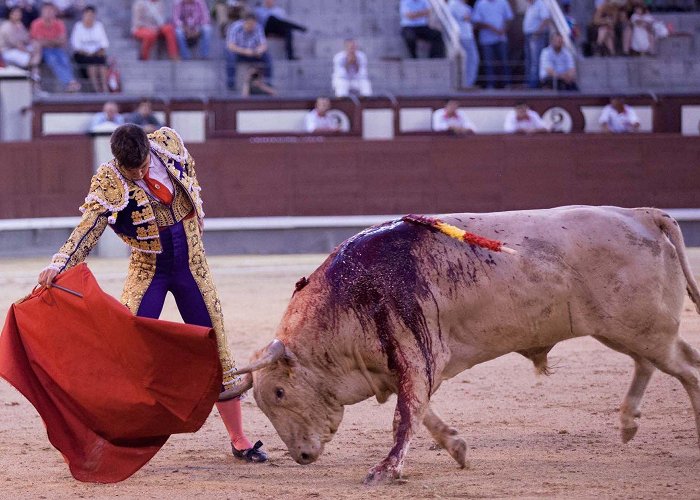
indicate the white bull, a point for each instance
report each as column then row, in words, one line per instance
column 399, row 308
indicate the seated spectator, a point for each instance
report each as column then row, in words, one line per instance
column 107, row 119
column 274, row 21
column 227, row 12
column 255, row 84
column 350, row 71
column 462, row 13
column 245, row 42
column 492, row 18
column 643, row 39
column 319, row 120
column 618, row 118
column 604, row 20
column 523, row 120
column 89, row 42
column 415, row 19
column 192, row 26
column 50, row 33
column 68, row 9
column 143, row 117
column 148, row 22
column 557, row 66
column 452, row 119
column 29, row 10
column 16, row 46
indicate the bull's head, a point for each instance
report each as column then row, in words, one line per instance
column 303, row 411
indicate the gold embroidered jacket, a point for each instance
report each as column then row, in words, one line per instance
column 123, row 205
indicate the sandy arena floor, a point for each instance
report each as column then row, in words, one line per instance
column 528, row 436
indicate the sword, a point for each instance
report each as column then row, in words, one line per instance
column 72, row 292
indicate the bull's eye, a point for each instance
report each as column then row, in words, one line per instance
column 279, row 392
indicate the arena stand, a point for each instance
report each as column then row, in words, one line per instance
column 265, row 177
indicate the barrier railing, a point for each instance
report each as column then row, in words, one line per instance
column 450, row 34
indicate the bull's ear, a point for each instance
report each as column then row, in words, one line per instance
column 289, row 358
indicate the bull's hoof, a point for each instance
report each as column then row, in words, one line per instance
column 627, row 433
column 458, row 451
column 381, row 474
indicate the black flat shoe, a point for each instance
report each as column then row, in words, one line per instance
column 254, row 454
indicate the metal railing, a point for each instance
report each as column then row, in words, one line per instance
column 450, row 34
column 560, row 24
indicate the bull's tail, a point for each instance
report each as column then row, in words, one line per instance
column 670, row 228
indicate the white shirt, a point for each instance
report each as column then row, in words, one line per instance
column 560, row 62
column 340, row 69
column 316, row 123
column 618, row 122
column 158, row 173
column 459, row 11
column 535, row 15
column 89, row 40
column 442, row 122
column 532, row 123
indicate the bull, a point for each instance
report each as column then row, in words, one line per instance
column 400, row 307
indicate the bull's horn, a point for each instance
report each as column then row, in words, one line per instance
column 273, row 352
column 237, row 388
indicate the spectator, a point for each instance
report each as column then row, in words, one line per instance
column 68, row 9
column 452, row 119
column 415, row 17
column 350, row 71
column 227, row 12
column 29, row 10
column 255, row 84
column 319, row 120
column 618, row 118
column 462, row 13
column 523, row 120
column 274, row 21
column 50, row 33
column 108, row 119
column 611, row 20
column 148, row 22
column 643, row 40
column 16, row 46
column 192, row 25
column 143, row 117
column 557, row 66
column 535, row 28
column 89, row 42
column 245, row 42
column 491, row 17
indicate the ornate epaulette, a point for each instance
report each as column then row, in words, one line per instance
column 108, row 189
column 169, row 143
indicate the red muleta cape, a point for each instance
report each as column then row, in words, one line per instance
column 110, row 386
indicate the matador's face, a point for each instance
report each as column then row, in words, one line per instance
column 137, row 173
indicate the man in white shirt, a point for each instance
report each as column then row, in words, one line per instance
column 350, row 71
column 452, row 119
column 557, row 66
column 491, row 18
column 535, row 26
column 318, row 119
column 618, row 118
column 462, row 13
column 523, row 120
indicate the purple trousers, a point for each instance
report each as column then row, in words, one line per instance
column 173, row 275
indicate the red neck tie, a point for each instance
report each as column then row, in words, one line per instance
column 158, row 190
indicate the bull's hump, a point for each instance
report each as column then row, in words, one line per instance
column 376, row 276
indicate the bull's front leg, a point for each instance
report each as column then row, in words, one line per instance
column 411, row 405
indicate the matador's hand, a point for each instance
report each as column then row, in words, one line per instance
column 47, row 276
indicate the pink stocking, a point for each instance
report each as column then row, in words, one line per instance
column 230, row 412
